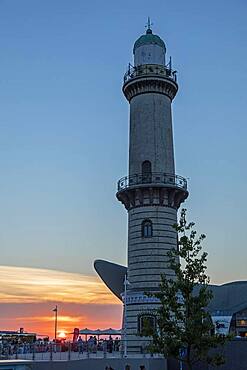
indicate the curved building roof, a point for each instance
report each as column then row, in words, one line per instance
column 112, row 274
column 227, row 299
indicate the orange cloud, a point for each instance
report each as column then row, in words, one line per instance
column 28, row 295
column 32, row 285
column 39, row 319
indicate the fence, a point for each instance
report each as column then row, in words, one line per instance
column 66, row 351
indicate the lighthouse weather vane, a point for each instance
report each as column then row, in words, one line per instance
column 149, row 24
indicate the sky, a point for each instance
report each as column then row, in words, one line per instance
column 27, row 295
column 64, row 145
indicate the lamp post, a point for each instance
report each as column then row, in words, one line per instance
column 126, row 282
column 55, row 310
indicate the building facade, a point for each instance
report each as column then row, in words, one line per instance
column 152, row 192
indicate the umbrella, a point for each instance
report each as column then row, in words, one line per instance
column 111, row 331
column 99, row 332
column 87, row 332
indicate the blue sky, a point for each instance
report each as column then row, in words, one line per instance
column 64, row 127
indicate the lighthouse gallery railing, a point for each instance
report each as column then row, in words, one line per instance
column 150, row 69
column 154, row 178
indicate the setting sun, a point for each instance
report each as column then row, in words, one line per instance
column 62, row 334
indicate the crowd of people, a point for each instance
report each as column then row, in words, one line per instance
column 92, row 345
column 11, row 348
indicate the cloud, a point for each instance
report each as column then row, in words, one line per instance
column 33, row 285
column 67, row 319
column 28, row 295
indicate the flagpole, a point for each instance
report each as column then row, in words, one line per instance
column 125, row 315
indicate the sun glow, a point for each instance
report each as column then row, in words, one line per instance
column 62, row 334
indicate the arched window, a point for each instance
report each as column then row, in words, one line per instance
column 147, row 229
column 146, row 172
column 146, row 167
column 146, row 323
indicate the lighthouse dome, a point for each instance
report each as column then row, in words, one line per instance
column 149, row 49
column 147, row 39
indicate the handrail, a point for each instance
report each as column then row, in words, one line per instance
column 72, row 351
column 150, row 69
column 169, row 180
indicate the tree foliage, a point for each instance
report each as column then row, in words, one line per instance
column 184, row 327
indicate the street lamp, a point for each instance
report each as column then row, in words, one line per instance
column 55, row 310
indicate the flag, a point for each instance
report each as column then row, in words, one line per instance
column 55, row 309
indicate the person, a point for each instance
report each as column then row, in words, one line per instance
column 110, row 344
column 104, row 346
column 116, row 344
column 94, row 344
column 80, row 344
column 90, row 343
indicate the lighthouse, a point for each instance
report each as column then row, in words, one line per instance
column 152, row 192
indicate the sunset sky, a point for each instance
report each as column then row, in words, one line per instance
column 64, row 145
column 28, row 296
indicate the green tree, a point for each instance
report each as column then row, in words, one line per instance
column 184, row 327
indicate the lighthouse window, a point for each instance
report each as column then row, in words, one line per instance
column 146, row 172
column 146, row 324
column 147, row 229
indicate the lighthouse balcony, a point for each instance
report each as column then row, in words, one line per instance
column 150, row 78
column 152, row 189
column 152, row 179
column 151, row 70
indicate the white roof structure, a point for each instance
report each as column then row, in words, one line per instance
column 109, row 331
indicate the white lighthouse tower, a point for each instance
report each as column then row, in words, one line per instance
column 152, row 192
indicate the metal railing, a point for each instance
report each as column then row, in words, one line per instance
column 152, row 178
column 150, row 69
column 66, row 351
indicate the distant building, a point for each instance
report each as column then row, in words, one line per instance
column 17, row 336
column 228, row 308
